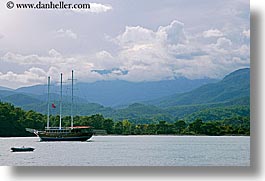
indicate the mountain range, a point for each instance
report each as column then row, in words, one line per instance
column 114, row 93
column 233, row 86
column 5, row 88
column 147, row 102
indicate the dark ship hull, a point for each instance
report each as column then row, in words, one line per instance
column 23, row 149
column 73, row 134
column 65, row 137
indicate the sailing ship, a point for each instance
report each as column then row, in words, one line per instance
column 72, row 133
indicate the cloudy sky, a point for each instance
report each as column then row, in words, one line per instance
column 132, row 40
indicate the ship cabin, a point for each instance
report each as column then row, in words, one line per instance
column 75, row 129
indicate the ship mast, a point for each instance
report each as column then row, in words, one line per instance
column 48, row 114
column 72, row 117
column 61, row 97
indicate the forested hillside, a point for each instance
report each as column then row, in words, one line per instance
column 13, row 122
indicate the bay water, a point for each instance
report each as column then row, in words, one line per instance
column 130, row 151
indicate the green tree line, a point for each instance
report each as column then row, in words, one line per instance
column 13, row 122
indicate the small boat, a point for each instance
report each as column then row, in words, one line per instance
column 22, row 149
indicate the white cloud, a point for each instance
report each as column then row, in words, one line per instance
column 21, row 59
column 144, row 46
column 243, row 51
column 66, row 33
column 169, row 52
column 55, row 63
column 29, row 59
column 246, row 33
column 223, row 43
column 54, row 53
column 148, row 50
column 29, row 77
column 142, row 55
column 53, row 58
column 155, row 55
column 173, row 33
column 135, row 35
column 103, row 55
column 212, row 33
column 95, row 8
column 104, row 60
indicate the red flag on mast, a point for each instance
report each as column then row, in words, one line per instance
column 53, row 106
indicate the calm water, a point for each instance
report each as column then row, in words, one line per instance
column 130, row 151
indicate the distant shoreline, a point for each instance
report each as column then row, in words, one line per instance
column 142, row 135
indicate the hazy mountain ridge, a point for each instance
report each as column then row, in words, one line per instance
column 5, row 88
column 229, row 96
column 119, row 92
column 234, row 85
